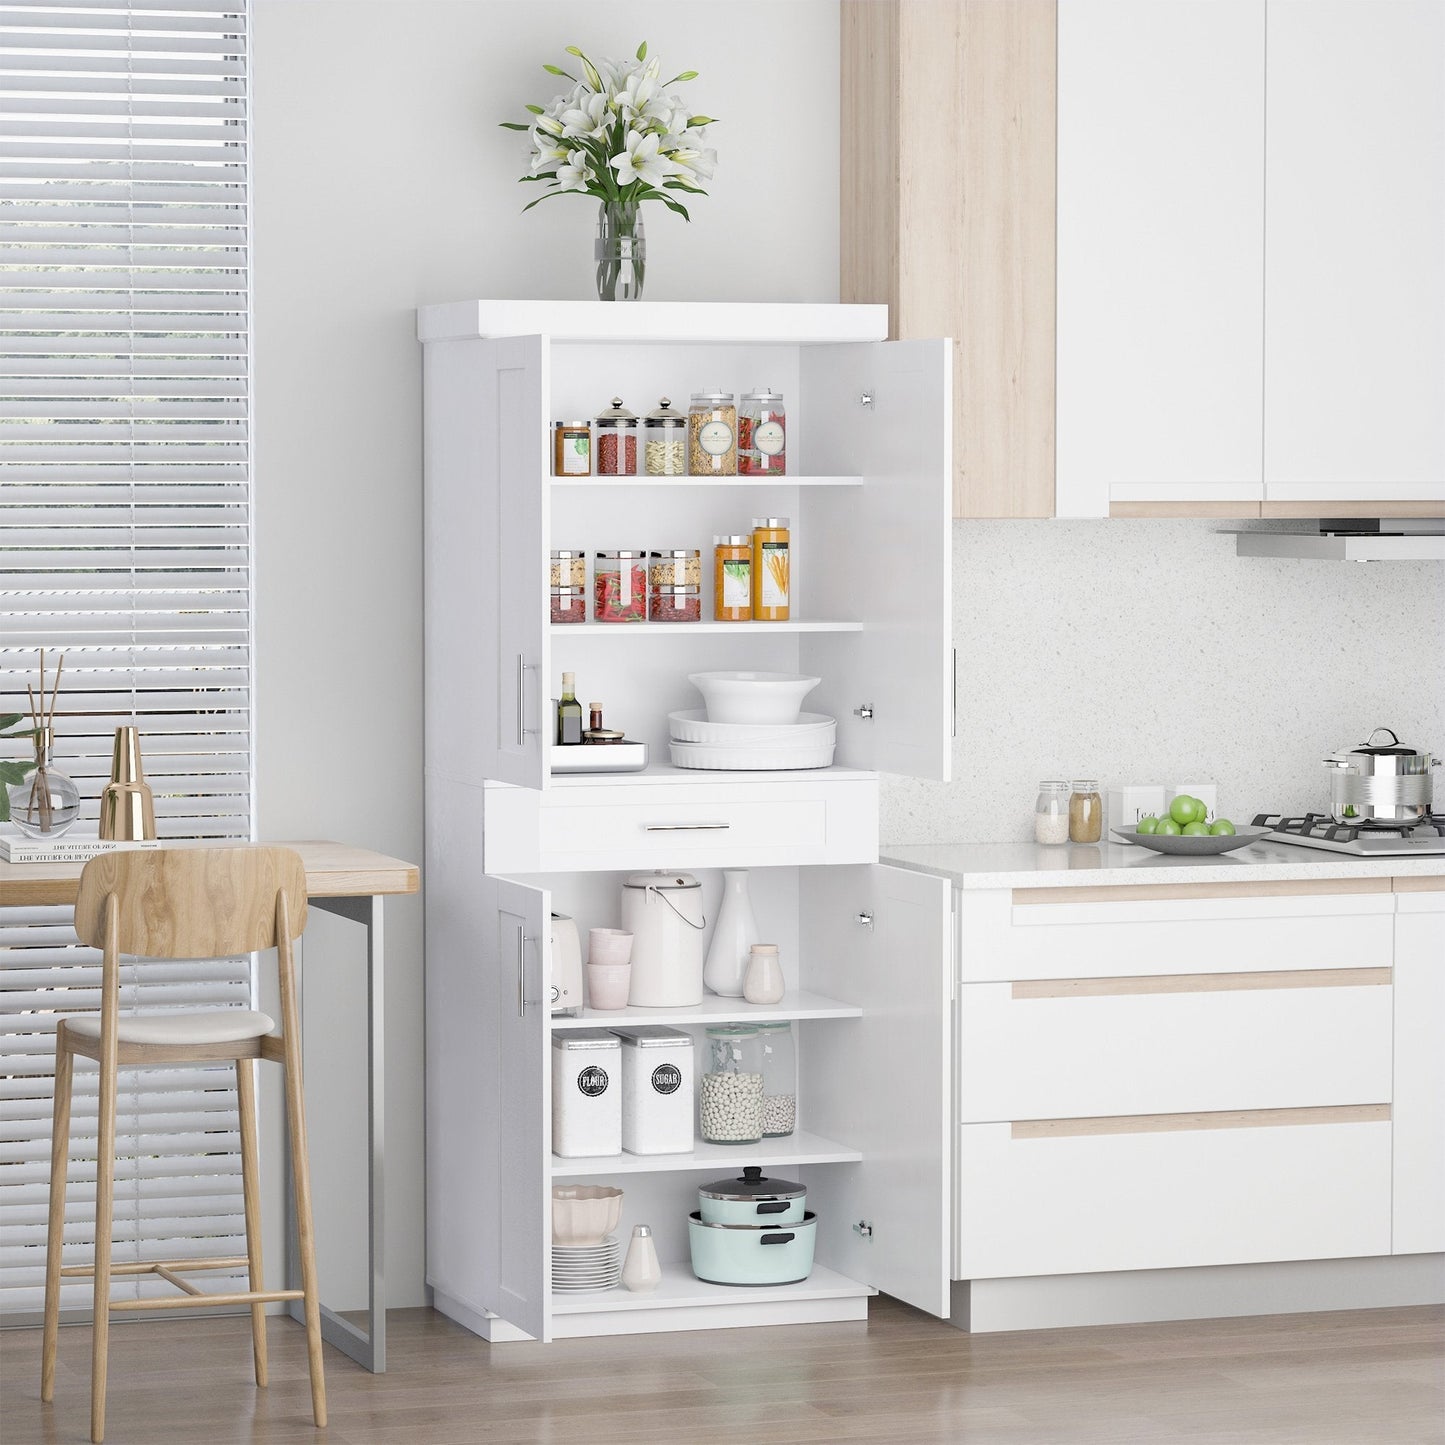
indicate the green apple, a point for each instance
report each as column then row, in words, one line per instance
column 1147, row 825
column 1222, row 827
column 1168, row 828
column 1196, row 829
column 1185, row 809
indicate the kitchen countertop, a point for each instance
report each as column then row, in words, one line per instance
column 1031, row 865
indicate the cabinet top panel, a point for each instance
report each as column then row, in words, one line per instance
column 780, row 323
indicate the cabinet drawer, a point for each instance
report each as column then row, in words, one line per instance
column 1174, row 1044
column 682, row 826
column 1165, row 1192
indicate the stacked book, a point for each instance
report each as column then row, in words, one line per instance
column 66, row 848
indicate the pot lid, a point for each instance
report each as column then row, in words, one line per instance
column 663, row 882
column 1383, row 750
column 752, row 1184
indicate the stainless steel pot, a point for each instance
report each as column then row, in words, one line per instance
column 1381, row 784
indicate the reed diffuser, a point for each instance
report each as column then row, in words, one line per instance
column 45, row 802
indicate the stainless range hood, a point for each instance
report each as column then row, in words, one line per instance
column 1419, row 539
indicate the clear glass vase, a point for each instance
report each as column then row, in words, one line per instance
column 45, row 802
column 621, row 252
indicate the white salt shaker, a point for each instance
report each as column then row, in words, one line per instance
column 763, row 982
column 640, row 1270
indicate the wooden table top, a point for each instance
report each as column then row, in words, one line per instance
column 333, row 870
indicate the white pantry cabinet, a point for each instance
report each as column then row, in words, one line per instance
column 868, row 949
column 1419, row 1073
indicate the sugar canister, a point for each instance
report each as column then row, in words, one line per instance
column 657, row 1090
column 586, row 1093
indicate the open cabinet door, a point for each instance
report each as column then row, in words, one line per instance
column 890, row 551
column 486, row 559
column 524, row 1085
column 884, row 1082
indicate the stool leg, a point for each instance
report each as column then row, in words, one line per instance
column 104, row 1210
column 305, row 1233
column 250, row 1189
column 55, row 1228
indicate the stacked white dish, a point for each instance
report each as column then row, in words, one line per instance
column 743, row 747
column 578, row 1268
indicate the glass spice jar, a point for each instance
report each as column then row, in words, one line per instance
column 712, row 440
column 619, row 587
column 1051, row 812
column 569, row 586
column 732, row 598
column 571, row 449
column 616, row 430
column 674, row 586
column 664, row 441
column 761, row 434
column 772, row 570
column 1086, row 812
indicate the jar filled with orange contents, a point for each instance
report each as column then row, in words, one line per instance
column 732, row 574
column 772, row 569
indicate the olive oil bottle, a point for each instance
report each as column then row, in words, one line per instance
column 569, row 713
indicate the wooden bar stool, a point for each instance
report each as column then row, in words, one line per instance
column 183, row 903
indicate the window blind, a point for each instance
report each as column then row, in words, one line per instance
column 125, row 542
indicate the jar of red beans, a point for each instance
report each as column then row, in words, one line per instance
column 615, row 441
column 762, row 434
column 674, row 581
column 619, row 587
column 569, row 586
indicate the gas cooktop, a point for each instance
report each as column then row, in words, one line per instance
column 1319, row 830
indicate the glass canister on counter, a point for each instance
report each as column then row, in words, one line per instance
column 772, row 569
column 1051, row 812
column 762, row 434
column 730, row 1091
column 616, row 436
column 571, row 449
column 619, row 587
column 664, row 441
column 712, row 435
column 732, row 578
column 1086, row 812
column 674, row 586
column 780, row 1079
column 569, row 586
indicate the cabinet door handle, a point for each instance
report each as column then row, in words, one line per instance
column 521, row 973
column 685, row 827
column 523, row 666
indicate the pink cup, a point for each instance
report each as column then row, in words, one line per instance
column 609, row 945
column 607, row 984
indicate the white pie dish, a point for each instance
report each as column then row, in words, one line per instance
column 694, row 726
column 730, row 758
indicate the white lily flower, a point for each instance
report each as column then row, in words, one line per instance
column 698, row 161
column 634, row 97
column 547, row 154
column 587, row 119
column 575, row 174
column 641, row 161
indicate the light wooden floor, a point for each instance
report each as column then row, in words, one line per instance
column 1363, row 1378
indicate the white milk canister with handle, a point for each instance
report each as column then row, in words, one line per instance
column 663, row 913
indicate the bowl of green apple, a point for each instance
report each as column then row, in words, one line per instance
column 1186, row 829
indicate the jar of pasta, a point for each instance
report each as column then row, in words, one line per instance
column 772, row 570
column 712, row 435
column 664, row 441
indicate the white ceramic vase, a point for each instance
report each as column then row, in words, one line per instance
column 733, row 936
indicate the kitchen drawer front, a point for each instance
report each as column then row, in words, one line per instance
column 1005, row 940
column 1174, row 1044
column 1172, row 1196
column 684, row 826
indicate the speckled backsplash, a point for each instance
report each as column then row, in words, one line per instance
column 1147, row 652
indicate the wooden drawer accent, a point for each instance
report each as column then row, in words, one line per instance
column 1243, row 510
column 1199, row 982
column 1414, row 884
column 1221, row 1119
column 1127, row 892
column 1365, row 508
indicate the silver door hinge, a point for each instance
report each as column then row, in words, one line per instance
column 866, row 399
column 864, row 1228
column 865, row 712
column 865, row 920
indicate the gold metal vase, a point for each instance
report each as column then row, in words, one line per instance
column 127, row 808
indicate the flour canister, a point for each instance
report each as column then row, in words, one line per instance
column 586, row 1093
column 663, row 913
column 657, row 1090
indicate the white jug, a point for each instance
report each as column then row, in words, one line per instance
column 663, row 913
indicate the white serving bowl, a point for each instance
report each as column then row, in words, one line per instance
column 753, row 697
column 694, row 726
column 584, row 1213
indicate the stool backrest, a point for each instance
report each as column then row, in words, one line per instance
column 192, row 902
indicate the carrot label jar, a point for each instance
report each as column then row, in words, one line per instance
column 772, row 571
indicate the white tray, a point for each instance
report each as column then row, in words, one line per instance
column 723, row 757
column 692, row 726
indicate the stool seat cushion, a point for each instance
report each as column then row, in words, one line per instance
column 183, row 1026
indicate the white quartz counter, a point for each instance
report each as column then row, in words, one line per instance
column 1031, row 865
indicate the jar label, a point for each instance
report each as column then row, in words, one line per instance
column 737, row 574
column 592, row 1080
column 774, row 589
column 576, row 455
column 715, row 437
column 768, row 438
column 666, row 1079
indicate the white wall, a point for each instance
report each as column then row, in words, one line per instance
column 383, row 182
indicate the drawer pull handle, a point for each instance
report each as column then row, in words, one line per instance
column 1112, row 987
column 1190, row 1123
column 685, row 827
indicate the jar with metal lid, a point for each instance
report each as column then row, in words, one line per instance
column 761, row 434
column 732, row 578
column 1086, row 812
column 619, row 587
column 730, row 1091
column 616, row 436
column 1051, row 812
column 664, row 441
column 780, row 1079
column 674, row 583
column 586, row 1094
column 772, row 569
column 657, row 1089
column 712, row 434
column 571, row 449
column 569, row 586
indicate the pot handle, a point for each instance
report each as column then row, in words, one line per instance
column 1394, row 738
column 774, row 1206
column 777, row 1239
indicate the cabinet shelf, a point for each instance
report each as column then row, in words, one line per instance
column 797, row 1148
column 691, row 483
column 715, row 1010
column 680, row 1288
column 691, row 629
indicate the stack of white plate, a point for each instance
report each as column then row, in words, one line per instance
column 577, row 1268
column 751, row 747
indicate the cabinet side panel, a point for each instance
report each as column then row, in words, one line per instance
column 868, row 178
column 1419, row 1113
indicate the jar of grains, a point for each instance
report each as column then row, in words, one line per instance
column 619, row 587
column 616, row 430
column 761, row 435
column 1086, row 812
column 664, row 441
column 712, row 435
column 732, row 578
column 780, row 1079
column 569, row 586
column 674, row 586
column 1051, row 812
column 730, row 1091
column 571, row 449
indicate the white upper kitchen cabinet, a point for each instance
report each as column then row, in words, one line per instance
column 1354, row 320
column 1160, row 253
